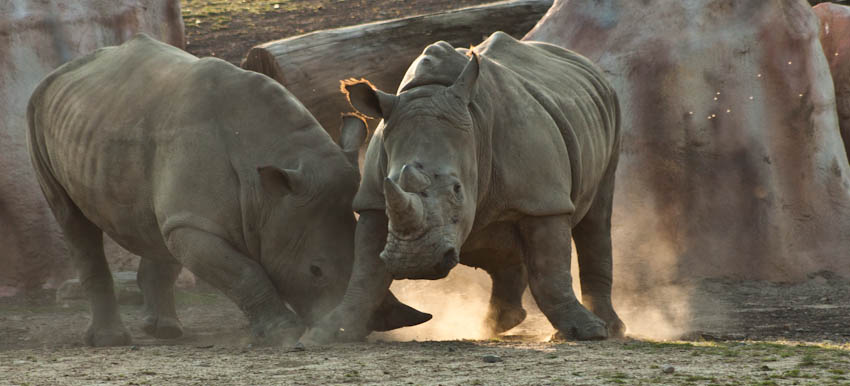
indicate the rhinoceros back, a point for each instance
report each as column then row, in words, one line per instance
column 569, row 96
column 139, row 132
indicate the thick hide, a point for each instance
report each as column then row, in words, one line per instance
column 495, row 158
column 835, row 39
column 731, row 160
column 36, row 37
column 195, row 162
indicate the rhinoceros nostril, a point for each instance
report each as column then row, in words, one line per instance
column 449, row 260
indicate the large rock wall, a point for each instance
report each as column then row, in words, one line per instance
column 835, row 39
column 37, row 36
column 731, row 163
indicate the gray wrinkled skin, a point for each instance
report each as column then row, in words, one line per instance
column 196, row 163
column 496, row 162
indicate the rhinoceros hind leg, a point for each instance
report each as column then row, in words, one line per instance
column 593, row 246
column 156, row 280
column 505, row 311
column 393, row 314
column 546, row 253
column 85, row 243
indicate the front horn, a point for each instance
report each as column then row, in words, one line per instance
column 404, row 209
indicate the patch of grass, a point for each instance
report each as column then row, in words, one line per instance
column 807, row 360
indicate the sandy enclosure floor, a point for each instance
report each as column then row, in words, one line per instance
column 732, row 333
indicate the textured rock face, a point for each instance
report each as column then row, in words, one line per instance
column 731, row 163
column 835, row 39
column 37, row 36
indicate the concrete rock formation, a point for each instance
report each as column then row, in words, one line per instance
column 37, row 36
column 835, row 39
column 731, row 163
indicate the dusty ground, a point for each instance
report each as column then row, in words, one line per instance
column 709, row 331
column 740, row 333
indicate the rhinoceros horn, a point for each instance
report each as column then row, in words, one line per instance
column 404, row 209
column 412, row 180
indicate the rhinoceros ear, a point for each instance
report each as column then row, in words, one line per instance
column 352, row 134
column 278, row 182
column 368, row 100
column 464, row 87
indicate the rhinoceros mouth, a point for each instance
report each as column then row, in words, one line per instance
column 429, row 256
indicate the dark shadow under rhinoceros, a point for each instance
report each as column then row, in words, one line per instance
column 197, row 163
column 497, row 162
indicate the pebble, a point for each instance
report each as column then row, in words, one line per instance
column 299, row 347
column 764, row 368
column 667, row 369
column 491, row 358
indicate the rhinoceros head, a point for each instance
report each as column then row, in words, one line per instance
column 307, row 235
column 431, row 185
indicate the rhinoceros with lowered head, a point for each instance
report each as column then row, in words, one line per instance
column 197, row 163
column 496, row 158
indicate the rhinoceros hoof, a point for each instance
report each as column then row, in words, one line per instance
column 162, row 327
column 109, row 336
column 581, row 325
column 277, row 333
column 616, row 329
column 506, row 320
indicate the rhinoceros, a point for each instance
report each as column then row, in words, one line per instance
column 197, row 163
column 496, row 162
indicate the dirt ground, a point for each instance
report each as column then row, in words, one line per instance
column 229, row 28
column 703, row 332
column 746, row 333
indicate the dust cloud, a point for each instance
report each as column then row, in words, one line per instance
column 650, row 308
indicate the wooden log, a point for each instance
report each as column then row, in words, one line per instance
column 312, row 65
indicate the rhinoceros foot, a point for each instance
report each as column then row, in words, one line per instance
column 162, row 327
column 501, row 320
column 277, row 332
column 115, row 335
column 580, row 324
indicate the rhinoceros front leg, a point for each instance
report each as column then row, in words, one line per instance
column 241, row 279
column 506, row 310
column 156, row 280
column 367, row 287
column 546, row 253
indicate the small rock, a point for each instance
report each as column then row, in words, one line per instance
column 667, row 369
column 764, row 368
column 491, row 358
column 299, row 347
column 452, row 349
column 134, row 348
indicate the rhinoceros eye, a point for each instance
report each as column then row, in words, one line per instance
column 457, row 188
column 316, row 271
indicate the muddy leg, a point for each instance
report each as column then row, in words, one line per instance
column 546, row 253
column 506, row 310
column 156, row 281
column 593, row 244
column 241, row 279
